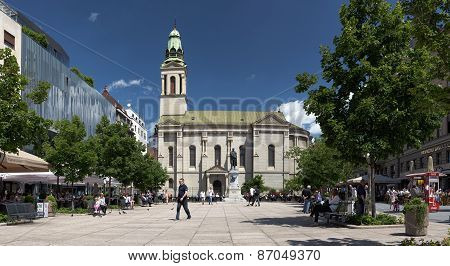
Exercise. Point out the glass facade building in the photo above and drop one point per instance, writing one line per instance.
(69, 94)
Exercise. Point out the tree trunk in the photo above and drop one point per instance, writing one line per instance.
(57, 186)
(372, 189)
(73, 207)
(110, 192)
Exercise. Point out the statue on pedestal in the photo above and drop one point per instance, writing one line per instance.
(233, 159)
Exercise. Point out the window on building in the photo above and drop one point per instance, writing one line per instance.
(392, 171)
(171, 182)
(438, 158)
(421, 162)
(401, 167)
(9, 40)
(438, 133)
(217, 152)
(172, 85)
(66, 82)
(448, 125)
(448, 156)
(171, 156)
(242, 156)
(192, 156)
(271, 155)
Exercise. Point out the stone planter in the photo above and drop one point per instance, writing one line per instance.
(411, 225)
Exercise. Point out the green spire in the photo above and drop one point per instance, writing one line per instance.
(174, 50)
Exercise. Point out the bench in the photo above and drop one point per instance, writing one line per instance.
(339, 216)
(19, 211)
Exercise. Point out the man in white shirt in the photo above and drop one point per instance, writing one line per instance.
(202, 197)
(210, 196)
(251, 198)
(332, 206)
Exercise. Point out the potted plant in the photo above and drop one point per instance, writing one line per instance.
(416, 217)
(52, 205)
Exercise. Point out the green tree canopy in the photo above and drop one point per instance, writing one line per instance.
(256, 182)
(69, 153)
(382, 92)
(320, 166)
(19, 126)
(116, 151)
(149, 174)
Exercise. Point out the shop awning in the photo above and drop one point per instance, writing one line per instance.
(379, 179)
(50, 178)
(21, 162)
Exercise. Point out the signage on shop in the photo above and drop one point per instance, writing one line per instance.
(435, 148)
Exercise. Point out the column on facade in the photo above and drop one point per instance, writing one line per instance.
(285, 150)
(163, 86)
(183, 83)
(179, 154)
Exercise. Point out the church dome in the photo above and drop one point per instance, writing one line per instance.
(174, 49)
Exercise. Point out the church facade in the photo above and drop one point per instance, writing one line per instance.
(196, 145)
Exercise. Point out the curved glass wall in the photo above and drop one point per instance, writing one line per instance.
(69, 94)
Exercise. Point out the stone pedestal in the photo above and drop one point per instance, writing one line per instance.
(234, 191)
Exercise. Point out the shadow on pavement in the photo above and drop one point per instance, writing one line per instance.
(296, 221)
(335, 242)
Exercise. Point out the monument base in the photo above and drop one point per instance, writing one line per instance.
(234, 195)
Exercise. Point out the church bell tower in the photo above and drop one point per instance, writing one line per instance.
(173, 78)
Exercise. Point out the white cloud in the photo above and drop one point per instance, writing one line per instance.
(315, 129)
(295, 113)
(121, 83)
(93, 16)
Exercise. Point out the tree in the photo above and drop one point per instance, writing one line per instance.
(320, 166)
(116, 151)
(70, 154)
(19, 126)
(256, 182)
(381, 94)
(429, 20)
(149, 174)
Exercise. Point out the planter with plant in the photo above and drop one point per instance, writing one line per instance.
(416, 217)
(52, 205)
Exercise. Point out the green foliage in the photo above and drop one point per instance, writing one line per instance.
(19, 126)
(36, 36)
(256, 182)
(149, 174)
(117, 151)
(321, 166)
(380, 219)
(69, 154)
(52, 201)
(39, 94)
(413, 242)
(420, 208)
(382, 95)
(28, 199)
(87, 79)
(4, 218)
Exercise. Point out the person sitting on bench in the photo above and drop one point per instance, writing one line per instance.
(323, 207)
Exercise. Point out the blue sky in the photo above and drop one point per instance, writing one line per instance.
(233, 48)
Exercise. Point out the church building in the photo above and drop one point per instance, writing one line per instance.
(196, 145)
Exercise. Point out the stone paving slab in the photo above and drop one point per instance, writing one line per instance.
(219, 224)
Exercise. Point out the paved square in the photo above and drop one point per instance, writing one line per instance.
(218, 224)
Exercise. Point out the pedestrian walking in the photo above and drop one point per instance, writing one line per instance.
(210, 196)
(182, 199)
(251, 199)
(306, 194)
(256, 196)
(202, 197)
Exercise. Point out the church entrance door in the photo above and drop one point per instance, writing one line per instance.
(217, 187)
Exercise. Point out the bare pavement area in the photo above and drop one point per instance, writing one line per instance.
(219, 224)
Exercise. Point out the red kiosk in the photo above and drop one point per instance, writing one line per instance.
(428, 183)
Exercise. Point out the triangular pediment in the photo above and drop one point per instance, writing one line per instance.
(216, 169)
(271, 119)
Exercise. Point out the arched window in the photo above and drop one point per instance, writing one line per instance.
(217, 154)
(170, 182)
(171, 156)
(242, 156)
(192, 156)
(271, 153)
(172, 85)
